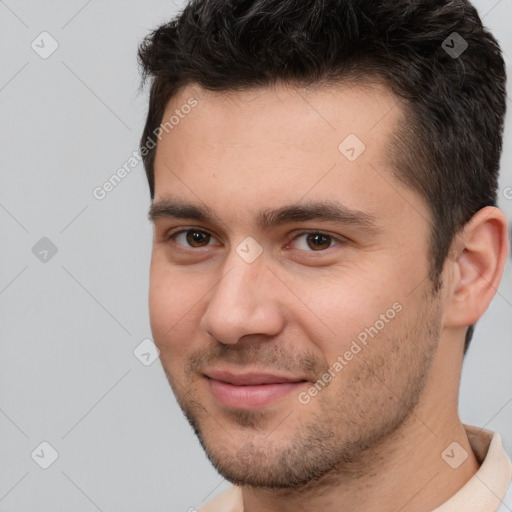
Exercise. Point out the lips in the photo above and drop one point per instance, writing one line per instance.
(251, 389)
(250, 378)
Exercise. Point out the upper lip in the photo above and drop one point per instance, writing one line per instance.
(250, 378)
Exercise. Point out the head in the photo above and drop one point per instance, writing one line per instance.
(332, 161)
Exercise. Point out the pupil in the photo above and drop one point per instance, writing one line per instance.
(318, 241)
(196, 238)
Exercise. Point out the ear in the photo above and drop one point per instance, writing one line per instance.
(479, 255)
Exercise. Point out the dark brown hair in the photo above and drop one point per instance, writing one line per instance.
(434, 54)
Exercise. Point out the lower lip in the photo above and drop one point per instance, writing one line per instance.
(249, 397)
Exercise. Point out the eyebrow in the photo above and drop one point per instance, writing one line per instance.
(268, 218)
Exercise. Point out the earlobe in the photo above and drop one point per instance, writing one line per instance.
(479, 259)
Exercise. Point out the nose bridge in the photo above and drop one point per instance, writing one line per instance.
(241, 302)
(238, 279)
(240, 287)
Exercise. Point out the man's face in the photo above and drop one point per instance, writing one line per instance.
(251, 308)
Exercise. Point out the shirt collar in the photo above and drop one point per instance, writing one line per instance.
(486, 489)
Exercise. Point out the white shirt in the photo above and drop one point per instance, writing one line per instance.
(488, 490)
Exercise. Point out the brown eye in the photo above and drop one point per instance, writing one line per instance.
(315, 241)
(192, 238)
(318, 241)
(197, 238)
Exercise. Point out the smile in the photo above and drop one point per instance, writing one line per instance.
(250, 390)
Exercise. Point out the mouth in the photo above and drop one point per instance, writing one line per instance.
(251, 389)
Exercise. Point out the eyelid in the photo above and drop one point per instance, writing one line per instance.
(176, 231)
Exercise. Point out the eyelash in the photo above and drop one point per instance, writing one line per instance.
(336, 240)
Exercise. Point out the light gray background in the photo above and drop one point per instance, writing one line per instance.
(70, 325)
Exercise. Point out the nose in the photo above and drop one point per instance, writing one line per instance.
(244, 302)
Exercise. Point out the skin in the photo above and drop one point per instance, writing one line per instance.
(372, 438)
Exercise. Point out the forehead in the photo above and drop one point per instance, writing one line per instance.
(368, 108)
(269, 146)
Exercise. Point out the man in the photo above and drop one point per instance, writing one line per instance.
(323, 178)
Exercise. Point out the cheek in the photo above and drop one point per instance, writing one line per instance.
(174, 302)
(339, 309)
